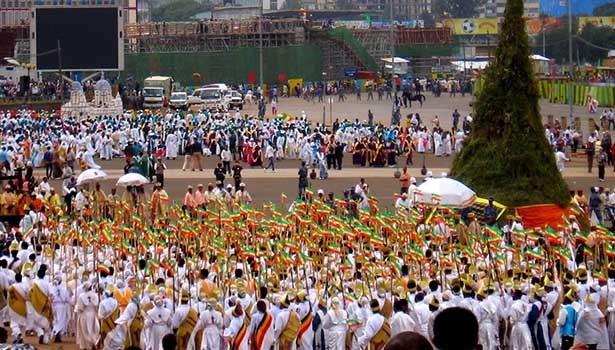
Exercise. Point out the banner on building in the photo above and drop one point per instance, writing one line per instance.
(472, 26)
(481, 26)
(537, 25)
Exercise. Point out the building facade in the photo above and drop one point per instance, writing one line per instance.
(17, 12)
(495, 8)
(14, 12)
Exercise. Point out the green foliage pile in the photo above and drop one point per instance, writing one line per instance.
(507, 154)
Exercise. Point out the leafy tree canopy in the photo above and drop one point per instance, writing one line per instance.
(179, 10)
(507, 155)
(605, 10)
(459, 8)
(556, 41)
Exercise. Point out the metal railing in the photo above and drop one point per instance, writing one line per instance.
(222, 27)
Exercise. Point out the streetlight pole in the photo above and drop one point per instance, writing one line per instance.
(393, 82)
(60, 72)
(260, 46)
(571, 68)
(324, 98)
(463, 47)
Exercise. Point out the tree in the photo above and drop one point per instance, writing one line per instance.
(595, 43)
(605, 10)
(556, 41)
(459, 8)
(507, 154)
(292, 5)
(178, 10)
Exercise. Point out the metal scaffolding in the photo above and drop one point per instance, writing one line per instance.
(211, 35)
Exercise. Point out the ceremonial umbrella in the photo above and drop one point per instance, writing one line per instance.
(91, 175)
(445, 191)
(132, 179)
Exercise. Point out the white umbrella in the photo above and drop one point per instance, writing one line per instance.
(91, 175)
(132, 179)
(445, 191)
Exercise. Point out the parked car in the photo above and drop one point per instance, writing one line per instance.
(179, 100)
(234, 99)
(209, 96)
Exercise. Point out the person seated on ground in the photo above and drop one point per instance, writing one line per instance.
(455, 328)
(408, 341)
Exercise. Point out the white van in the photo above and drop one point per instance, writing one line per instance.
(209, 96)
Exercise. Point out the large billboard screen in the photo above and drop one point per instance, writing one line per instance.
(90, 38)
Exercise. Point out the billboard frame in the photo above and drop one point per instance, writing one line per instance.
(34, 54)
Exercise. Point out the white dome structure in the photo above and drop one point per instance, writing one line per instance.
(104, 104)
(102, 85)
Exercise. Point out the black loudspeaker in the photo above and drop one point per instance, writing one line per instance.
(24, 85)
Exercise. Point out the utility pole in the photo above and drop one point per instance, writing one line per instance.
(59, 49)
(393, 82)
(570, 85)
(260, 46)
(463, 47)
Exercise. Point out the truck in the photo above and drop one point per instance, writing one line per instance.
(157, 91)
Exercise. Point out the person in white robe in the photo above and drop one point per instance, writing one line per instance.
(459, 137)
(363, 313)
(116, 339)
(107, 306)
(291, 145)
(232, 332)
(401, 320)
(18, 318)
(88, 327)
(520, 336)
(560, 160)
(373, 325)
(157, 324)
(591, 326)
(211, 322)
(488, 321)
(257, 322)
(37, 155)
(172, 146)
(39, 323)
(447, 144)
(336, 324)
(422, 141)
(61, 298)
(437, 139)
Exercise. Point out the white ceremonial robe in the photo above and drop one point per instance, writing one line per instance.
(172, 146)
(336, 326)
(520, 336)
(116, 339)
(402, 322)
(61, 305)
(157, 325)
(88, 327)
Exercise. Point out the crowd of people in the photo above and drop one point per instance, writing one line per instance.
(33, 140)
(334, 273)
(134, 270)
(48, 89)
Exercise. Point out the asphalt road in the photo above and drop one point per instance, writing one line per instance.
(267, 186)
